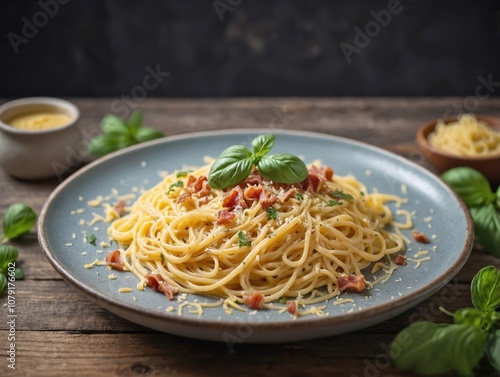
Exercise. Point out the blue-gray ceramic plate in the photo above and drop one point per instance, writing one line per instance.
(437, 212)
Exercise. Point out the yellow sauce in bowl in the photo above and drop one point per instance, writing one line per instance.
(39, 121)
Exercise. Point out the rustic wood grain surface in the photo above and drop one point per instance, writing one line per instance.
(59, 332)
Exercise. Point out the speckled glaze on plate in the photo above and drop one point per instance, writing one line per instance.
(439, 213)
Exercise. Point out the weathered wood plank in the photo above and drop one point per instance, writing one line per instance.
(63, 354)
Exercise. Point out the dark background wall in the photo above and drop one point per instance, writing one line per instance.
(248, 48)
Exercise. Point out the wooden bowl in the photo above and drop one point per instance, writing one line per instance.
(489, 166)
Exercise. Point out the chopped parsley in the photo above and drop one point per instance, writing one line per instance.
(332, 203)
(272, 214)
(162, 257)
(283, 300)
(243, 239)
(182, 174)
(91, 239)
(299, 196)
(362, 193)
(338, 195)
(174, 185)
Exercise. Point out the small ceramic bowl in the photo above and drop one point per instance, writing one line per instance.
(38, 154)
(489, 166)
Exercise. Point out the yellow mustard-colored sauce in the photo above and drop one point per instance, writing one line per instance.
(39, 121)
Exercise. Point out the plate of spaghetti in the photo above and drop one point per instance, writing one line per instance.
(209, 236)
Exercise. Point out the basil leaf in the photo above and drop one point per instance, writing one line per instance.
(8, 254)
(19, 274)
(429, 348)
(498, 198)
(102, 145)
(493, 350)
(485, 289)
(3, 283)
(112, 125)
(135, 122)
(487, 227)
(18, 219)
(232, 166)
(473, 317)
(146, 134)
(262, 144)
(470, 185)
(283, 168)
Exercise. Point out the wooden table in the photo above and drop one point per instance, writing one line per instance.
(59, 332)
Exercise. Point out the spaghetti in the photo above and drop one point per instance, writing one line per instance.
(466, 137)
(258, 241)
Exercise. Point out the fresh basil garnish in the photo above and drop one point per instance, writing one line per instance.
(118, 134)
(8, 254)
(493, 350)
(236, 162)
(470, 185)
(430, 348)
(483, 204)
(487, 227)
(18, 219)
(485, 289)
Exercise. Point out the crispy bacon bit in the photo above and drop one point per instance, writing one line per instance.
(113, 260)
(258, 192)
(203, 200)
(419, 236)
(120, 207)
(254, 300)
(286, 195)
(292, 307)
(355, 283)
(198, 186)
(184, 197)
(316, 178)
(225, 217)
(328, 173)
(234, 199)
(253, 192)
(157, 283)
(254, 179)
(266, 200)
(400, 260)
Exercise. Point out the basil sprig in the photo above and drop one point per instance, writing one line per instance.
(118, 134)
(430, 348)
(18, 219)
(236, 162)
(483, 204)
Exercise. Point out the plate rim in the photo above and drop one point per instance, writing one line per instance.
(171, 319)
